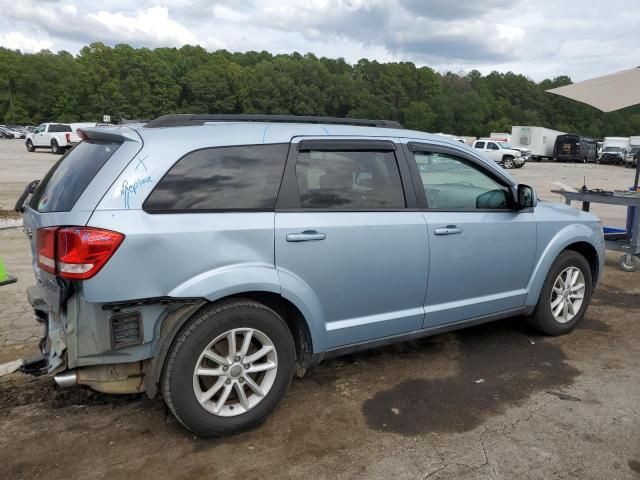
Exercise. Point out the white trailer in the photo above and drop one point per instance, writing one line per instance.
(539, 140)
(501, 136)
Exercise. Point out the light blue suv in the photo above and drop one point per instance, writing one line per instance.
(211, 257)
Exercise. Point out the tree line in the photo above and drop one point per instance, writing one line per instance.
(140, 83)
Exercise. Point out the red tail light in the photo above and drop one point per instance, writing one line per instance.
(68, 135)
(46, 248)
(80, 252)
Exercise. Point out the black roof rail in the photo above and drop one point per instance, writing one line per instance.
(187, 119)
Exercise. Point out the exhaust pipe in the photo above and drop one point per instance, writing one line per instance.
(66, 379)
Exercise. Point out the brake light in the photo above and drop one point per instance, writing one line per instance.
(45, 246)
(76, 252)
(68, 135)
(83, 251)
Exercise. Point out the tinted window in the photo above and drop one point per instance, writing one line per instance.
(478, 145)
(450, 183)
(349, 180)
(57, 128)
(492, 146)
(68, 178)
(227, 178)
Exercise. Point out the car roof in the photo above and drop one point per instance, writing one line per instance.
(237, 133)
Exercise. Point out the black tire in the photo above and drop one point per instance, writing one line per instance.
(55, 148)
(30, 147)
(207, 324)
(542, 318)
(508, 162)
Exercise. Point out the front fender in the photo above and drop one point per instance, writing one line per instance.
(568, 235)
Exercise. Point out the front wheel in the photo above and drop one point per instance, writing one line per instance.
(565, 295)
(30, 147)
(508, 162)
(228, 368)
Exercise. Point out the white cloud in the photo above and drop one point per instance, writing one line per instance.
(18, 41)
(152, 25)
(541, 39)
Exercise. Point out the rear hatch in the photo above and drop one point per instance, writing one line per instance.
(69, 193)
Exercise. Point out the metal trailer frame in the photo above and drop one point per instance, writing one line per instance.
(630, 245)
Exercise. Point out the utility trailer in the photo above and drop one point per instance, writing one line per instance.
(539, 140)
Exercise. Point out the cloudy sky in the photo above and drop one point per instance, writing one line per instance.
(540, 38)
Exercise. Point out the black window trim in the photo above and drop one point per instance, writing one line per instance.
(412, 147)
(213, 210)
(289, 195)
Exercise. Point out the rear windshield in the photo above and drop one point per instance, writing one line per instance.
(68, 178)
(57, 128)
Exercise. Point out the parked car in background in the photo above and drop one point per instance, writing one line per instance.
(17, 128)
(59, 137)
(614, 150)
(213, 263)
(500, 152)
(631, 158)
(6, 132)
(574, 148)
(539, 140)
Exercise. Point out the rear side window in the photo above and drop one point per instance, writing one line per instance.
(57, 128)
(359, 180)
(69, 177)
(243, 177)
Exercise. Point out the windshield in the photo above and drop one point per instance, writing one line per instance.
(613, 149)
(635, 150)
(504, 144)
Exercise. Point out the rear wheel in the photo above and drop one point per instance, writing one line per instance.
(229, 368)
(565, 295)
(30, 147)
(55, 148)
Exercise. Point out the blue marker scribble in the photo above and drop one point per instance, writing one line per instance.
(131, 189)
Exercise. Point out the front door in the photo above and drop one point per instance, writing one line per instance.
(481, 248)
(345, 240)
(492, 150)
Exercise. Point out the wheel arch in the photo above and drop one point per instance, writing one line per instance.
(173, 323)
(576, 237)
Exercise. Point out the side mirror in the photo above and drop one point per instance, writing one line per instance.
(527, 197)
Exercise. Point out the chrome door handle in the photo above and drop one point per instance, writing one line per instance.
(306, 236)
(448, 230)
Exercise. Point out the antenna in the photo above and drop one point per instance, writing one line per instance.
(114, 107)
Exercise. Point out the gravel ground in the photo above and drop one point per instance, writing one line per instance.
(495, 401)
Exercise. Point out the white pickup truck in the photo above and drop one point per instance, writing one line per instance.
(59, 137)
(500, 152)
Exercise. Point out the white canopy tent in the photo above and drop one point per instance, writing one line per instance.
(607, 93)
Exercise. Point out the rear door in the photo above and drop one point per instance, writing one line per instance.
(349, 239)
(481, 248)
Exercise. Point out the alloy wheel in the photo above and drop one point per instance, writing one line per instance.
(235, 372)
(567, 294)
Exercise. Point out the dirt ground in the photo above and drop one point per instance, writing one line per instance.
(495, 401)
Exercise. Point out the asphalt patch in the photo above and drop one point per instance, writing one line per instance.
(614, 297)
(500, 365)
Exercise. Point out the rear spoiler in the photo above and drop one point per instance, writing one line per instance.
(113, 134)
